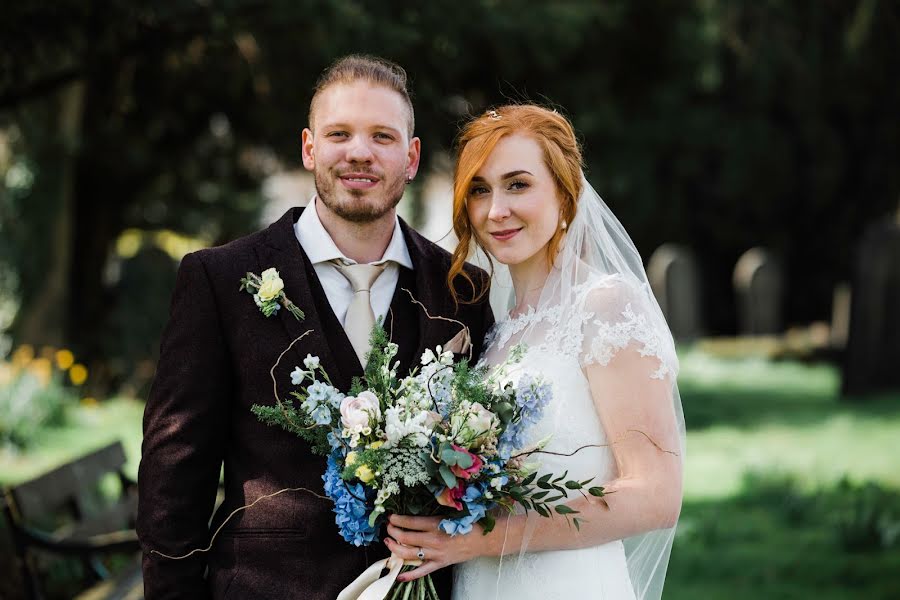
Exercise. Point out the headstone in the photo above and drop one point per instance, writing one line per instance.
(840, 316)
(675, 281)
(872, 360)
(759, 291)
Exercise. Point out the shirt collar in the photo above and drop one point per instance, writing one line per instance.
(320, 248)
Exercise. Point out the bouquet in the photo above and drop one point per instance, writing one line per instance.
(447, 441)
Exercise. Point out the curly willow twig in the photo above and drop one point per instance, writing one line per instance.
(228, 518)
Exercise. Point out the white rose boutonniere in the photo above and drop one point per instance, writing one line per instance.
(268, 293)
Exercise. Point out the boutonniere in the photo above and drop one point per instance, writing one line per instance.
(268, 293)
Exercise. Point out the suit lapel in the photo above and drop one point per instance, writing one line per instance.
(282, 251)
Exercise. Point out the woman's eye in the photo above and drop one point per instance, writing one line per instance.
(478, 190)
(518, 185)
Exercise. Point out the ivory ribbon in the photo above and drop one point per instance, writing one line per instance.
(370, 585)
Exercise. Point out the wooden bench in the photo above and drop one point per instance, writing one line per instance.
(68, 512)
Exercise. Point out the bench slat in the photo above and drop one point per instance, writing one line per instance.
(49, 492)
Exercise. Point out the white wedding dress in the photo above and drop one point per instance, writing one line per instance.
(603, 320)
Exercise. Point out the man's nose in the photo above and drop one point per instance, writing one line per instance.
(358, 150)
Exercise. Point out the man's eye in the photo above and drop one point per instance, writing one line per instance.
(384, 136)
(336, 134)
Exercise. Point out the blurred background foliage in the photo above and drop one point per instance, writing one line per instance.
(716, 124)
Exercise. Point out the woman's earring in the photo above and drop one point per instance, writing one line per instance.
(563, 225)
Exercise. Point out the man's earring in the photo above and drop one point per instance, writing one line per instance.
(408, 180)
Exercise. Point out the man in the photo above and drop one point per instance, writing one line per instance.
(218, 348)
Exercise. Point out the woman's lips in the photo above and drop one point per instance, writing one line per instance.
(358, 181)
(506, 234)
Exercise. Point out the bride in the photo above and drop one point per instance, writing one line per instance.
(585, 313)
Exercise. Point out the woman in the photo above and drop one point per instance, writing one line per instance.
(585, 312)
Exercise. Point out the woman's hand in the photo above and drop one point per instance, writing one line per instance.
(409, 535)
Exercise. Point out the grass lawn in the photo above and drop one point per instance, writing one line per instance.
(765, 514)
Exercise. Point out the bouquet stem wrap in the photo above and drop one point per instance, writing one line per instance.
(370, 585)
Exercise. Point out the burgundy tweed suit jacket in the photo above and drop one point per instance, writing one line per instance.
(216, 353)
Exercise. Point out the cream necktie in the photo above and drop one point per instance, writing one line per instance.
(360, 317)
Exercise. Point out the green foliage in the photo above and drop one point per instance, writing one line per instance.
(295, 421)
(28, 405)
(867, 516)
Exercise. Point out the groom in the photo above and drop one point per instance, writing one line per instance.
(345, 260)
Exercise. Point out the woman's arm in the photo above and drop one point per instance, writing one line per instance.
(637, 414)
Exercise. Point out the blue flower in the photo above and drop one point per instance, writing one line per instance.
(318, 391)
(333, 440)
(321, 415)
(475, 508)
(531, 398)
(351, 512)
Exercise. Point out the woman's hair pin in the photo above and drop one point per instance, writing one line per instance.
(494, 115)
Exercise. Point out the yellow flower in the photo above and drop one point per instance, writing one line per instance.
(22, 356)
(89, 402)
(78, 374)
(64, 359)
(364, 473)
(269, 289)
(351, 459)
(375, 445)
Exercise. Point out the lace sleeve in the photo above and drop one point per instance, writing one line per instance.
(617, 315)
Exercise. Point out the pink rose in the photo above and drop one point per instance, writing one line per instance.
(450, 497)
(477, 463)
(356, 412)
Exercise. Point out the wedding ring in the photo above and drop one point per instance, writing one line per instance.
(421, 554)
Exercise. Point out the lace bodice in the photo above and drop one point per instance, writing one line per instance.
(609, 315)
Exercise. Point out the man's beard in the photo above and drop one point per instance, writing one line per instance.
(358, 206)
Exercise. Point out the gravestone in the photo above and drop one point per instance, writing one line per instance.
(872, 360)
(759, 291)
(675, 281)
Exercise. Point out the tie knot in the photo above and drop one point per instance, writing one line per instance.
(360, 276)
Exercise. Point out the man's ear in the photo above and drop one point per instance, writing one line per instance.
(306, 149)
(413, 156)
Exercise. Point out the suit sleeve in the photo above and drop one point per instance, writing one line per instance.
(185, 428)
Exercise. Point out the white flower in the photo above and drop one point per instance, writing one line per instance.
(480, 420)
(399, 426)
(428, 356)
(311, 362)
(356, 412)
(297, 376)
(270, 274)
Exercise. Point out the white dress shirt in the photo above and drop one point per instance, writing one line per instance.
(321, 250)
